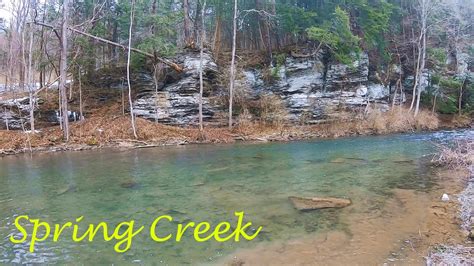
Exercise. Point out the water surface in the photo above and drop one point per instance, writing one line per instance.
(205, 183)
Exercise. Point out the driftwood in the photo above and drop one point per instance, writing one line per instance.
(4, 152)
(165, 61)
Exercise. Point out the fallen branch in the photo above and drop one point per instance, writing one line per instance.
(298, 55)
(165, 61)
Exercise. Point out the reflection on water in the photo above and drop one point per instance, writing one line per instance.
(204, 183)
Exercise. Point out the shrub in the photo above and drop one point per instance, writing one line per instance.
(400, 120)
(272, 110)
(461, 154)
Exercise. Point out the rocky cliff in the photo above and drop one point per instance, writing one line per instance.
(309, 87)
(316, 89)
(177, 101)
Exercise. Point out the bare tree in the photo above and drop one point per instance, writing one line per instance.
(31, 84)
(156, 69)
(132, 115)
(81, 112)
(63, 71)
(421, 69)
(201, 82)
(427, 10)
(232, 64)
(188, 38)
(460, 96)
(29, 67)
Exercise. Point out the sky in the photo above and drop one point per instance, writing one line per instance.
(6, 8)
(5, 12)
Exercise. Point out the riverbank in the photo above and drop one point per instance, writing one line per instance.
(410, 229)
(460, 156)
(112, 131)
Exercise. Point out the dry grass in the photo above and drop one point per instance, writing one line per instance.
(107, 127)
(460, 155)
(376, 122)
(272, 110)
(400, 120)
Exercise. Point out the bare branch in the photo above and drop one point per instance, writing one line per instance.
(165, 61)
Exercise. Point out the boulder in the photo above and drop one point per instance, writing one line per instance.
(308, 204)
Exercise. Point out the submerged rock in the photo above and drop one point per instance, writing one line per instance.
(338, 160)
(129, 184)
(308, 204)
(69, 188)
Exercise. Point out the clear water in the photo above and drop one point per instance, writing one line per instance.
(203, 183)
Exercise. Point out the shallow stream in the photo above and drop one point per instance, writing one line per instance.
(205, 183)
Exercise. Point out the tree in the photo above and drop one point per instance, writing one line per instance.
(188, 37)
(424, 12)
(63, 71)
(232, 64)
(337, 37)
(201, 82)
(132, 115)
(31, 85)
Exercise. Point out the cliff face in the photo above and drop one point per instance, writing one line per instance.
(316, 89)
(177, 102)
(308, 87)
(14, 113)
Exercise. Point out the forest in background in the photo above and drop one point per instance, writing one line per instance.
(45, 41)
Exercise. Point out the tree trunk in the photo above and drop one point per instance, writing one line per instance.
(201, 82)
(31, 84)
(216, 46)
(132, 115)
(197, 21)
(434, 103)
(63, 71)
(422, 68)
(417, 73)
(460, 98)
(232, 65)
(81, 112)
(188, 39)
(157, 74)
(21, 84)
(397, 85)
(275, 29)
(6, 120)
(42, 47)
(264, 30)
